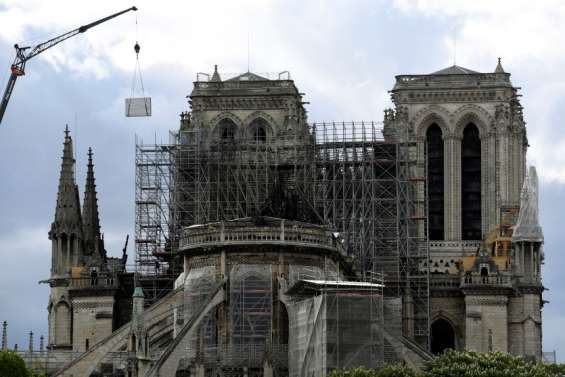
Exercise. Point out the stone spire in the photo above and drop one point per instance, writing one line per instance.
(93, 242)
(4, 336)
(528, 227)
(41, 344)
(30, 346)
(67, 213)
(499, 68)
(216, 76)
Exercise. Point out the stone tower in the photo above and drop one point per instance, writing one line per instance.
(254, 122)
(469, 136)
(66, 237)
(82, 287)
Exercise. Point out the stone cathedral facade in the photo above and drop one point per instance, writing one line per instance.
(249, 285)
(485, 241)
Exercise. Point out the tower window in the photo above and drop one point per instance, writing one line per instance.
(471, 183)
(259, 130)
(227, 130)
(435, 182)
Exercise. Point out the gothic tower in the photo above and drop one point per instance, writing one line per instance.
(468, 135)
(82, 300)
(250, 121)
(66, 237)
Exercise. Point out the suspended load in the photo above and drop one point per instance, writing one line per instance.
(140, 105)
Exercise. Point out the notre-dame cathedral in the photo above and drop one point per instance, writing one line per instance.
(293, 249)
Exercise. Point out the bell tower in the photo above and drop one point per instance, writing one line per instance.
(467, 130)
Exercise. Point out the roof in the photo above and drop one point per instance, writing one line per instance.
(138, 292)
(455, 70)
(248, 76)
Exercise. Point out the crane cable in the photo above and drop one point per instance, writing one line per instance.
(137, 70)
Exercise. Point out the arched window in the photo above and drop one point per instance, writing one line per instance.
(443, 336)
(435, 182)
(471, 184)
(259, 130)
(62, 324)
(227, 129)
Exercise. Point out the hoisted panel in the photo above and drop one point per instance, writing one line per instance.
(138, 107)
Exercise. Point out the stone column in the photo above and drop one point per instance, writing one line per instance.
(503, 171)
(452, 187)
(60, 252)
(489, 186)
(486, 210)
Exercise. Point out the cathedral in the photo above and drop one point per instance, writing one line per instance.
(285, 248)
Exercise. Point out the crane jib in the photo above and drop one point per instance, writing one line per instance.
(21, 58)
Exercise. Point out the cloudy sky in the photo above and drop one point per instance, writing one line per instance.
(343, 54)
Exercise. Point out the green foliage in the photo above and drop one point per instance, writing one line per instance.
(492, 364)
(464, 364)
(387, 370)
(12, 365)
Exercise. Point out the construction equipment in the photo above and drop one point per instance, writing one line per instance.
(23, 55)
(140, 105)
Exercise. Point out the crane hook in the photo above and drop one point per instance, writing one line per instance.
(136, 48)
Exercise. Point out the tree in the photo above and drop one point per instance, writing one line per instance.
(12, 365)
(464, 364)
(387, 370)
(491, 364)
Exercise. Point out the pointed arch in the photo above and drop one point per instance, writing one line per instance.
(472, 114)
(435, 170)
(430, 115)
(226, 130)
(261, 114)
(471, 158)
(442, 335)
(62, 323)
(222, 118)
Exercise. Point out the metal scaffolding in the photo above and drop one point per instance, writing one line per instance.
(343, 175)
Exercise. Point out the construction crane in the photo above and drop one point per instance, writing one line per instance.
(23, 55)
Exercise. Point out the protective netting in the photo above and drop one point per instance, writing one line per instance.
(333, 331)
(528, 227)
(198, 286)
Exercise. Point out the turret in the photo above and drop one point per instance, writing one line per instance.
(138, 343)
(528, 235)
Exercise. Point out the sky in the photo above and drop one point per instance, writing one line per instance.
(343, 54)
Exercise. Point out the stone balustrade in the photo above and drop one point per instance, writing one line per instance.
(228, 233)
(108, 281)
(466, 247)
(500, 280)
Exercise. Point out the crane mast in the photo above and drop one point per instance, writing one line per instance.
(23, 54)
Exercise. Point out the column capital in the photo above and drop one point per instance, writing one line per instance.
(453, 137)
